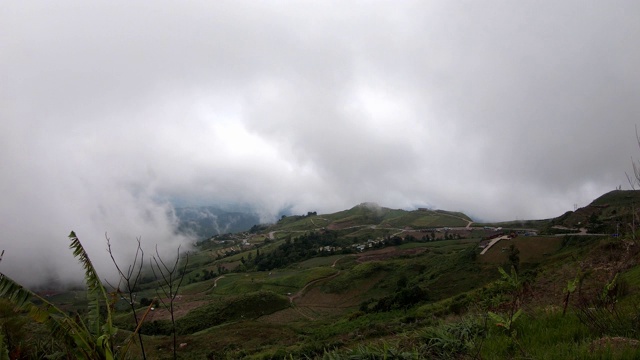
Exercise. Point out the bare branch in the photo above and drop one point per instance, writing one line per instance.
(133, 271)
(172, 278)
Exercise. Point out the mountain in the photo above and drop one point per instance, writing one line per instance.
(375, 217)
(610, 213)
(372, 282)
(207, 221)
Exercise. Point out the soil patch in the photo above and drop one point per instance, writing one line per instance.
(387, 253)
(615, 344)
(180, 308)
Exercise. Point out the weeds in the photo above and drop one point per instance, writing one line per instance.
(454, 340)
(514, 287)
(602, 315)
(372, 352)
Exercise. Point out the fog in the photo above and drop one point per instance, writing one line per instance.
(113, 113)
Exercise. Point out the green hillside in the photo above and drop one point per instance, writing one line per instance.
(372, 283)
(370, 214)
(605, 214)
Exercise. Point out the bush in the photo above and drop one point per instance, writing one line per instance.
(248, 306)
(454, 340)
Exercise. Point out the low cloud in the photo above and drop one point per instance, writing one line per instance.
(112, 113)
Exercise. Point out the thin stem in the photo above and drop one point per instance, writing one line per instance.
(129, 285)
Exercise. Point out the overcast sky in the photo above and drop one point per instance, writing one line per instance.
(112, 112)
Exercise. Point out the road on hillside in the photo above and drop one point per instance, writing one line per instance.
(215, 281)
(299, 293)
(493, 242)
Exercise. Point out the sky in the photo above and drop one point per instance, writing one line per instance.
(112, 113)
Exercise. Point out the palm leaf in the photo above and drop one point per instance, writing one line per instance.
(59, 324)
(96, 293)
(4, 351)
(93, 342)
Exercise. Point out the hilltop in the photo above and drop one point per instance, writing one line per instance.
(605, 214)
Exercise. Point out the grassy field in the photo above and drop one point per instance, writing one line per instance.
(532, 249)
(321, 261)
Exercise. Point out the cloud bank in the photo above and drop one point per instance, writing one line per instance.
(113, 112)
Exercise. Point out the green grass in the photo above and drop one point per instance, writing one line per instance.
(302, 224)
(197, 287)
(618, 198)
(298, 279)
(425, 219)
(454, 214)
(356, 275)
(280, 282)
(251, 305)
(320, 261)
(365, 233)
(550, 336)
(394, 213)
(632, 276)
(532, 249)
(413, 245)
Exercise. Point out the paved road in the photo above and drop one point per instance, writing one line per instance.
(493, 242)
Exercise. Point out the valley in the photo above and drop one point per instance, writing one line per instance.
(372, 282)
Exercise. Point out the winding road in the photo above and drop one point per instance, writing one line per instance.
(493, 242)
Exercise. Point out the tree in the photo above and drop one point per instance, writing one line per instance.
(130, 281)
(12, 331)
(171, 280)
(402, 282)
(514, 257)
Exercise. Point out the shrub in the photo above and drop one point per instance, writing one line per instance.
(453, 340)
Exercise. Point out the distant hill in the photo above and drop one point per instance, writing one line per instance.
(376, 217)
(610, 213)
(207, 221)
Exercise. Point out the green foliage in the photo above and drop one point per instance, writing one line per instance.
(402, 299)
(299, 249)
(514, 286)
(572, 286)
(511, 280)
(453, 340)
(371, 352)
(93, 340)
(603, 315)
(96, 294)
(356, 275)
(12, 328)
(157, 327)
(514, 257)
(505, 321)
(246, 306)
(4, 350)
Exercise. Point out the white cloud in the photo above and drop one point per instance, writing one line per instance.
(496, 109)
